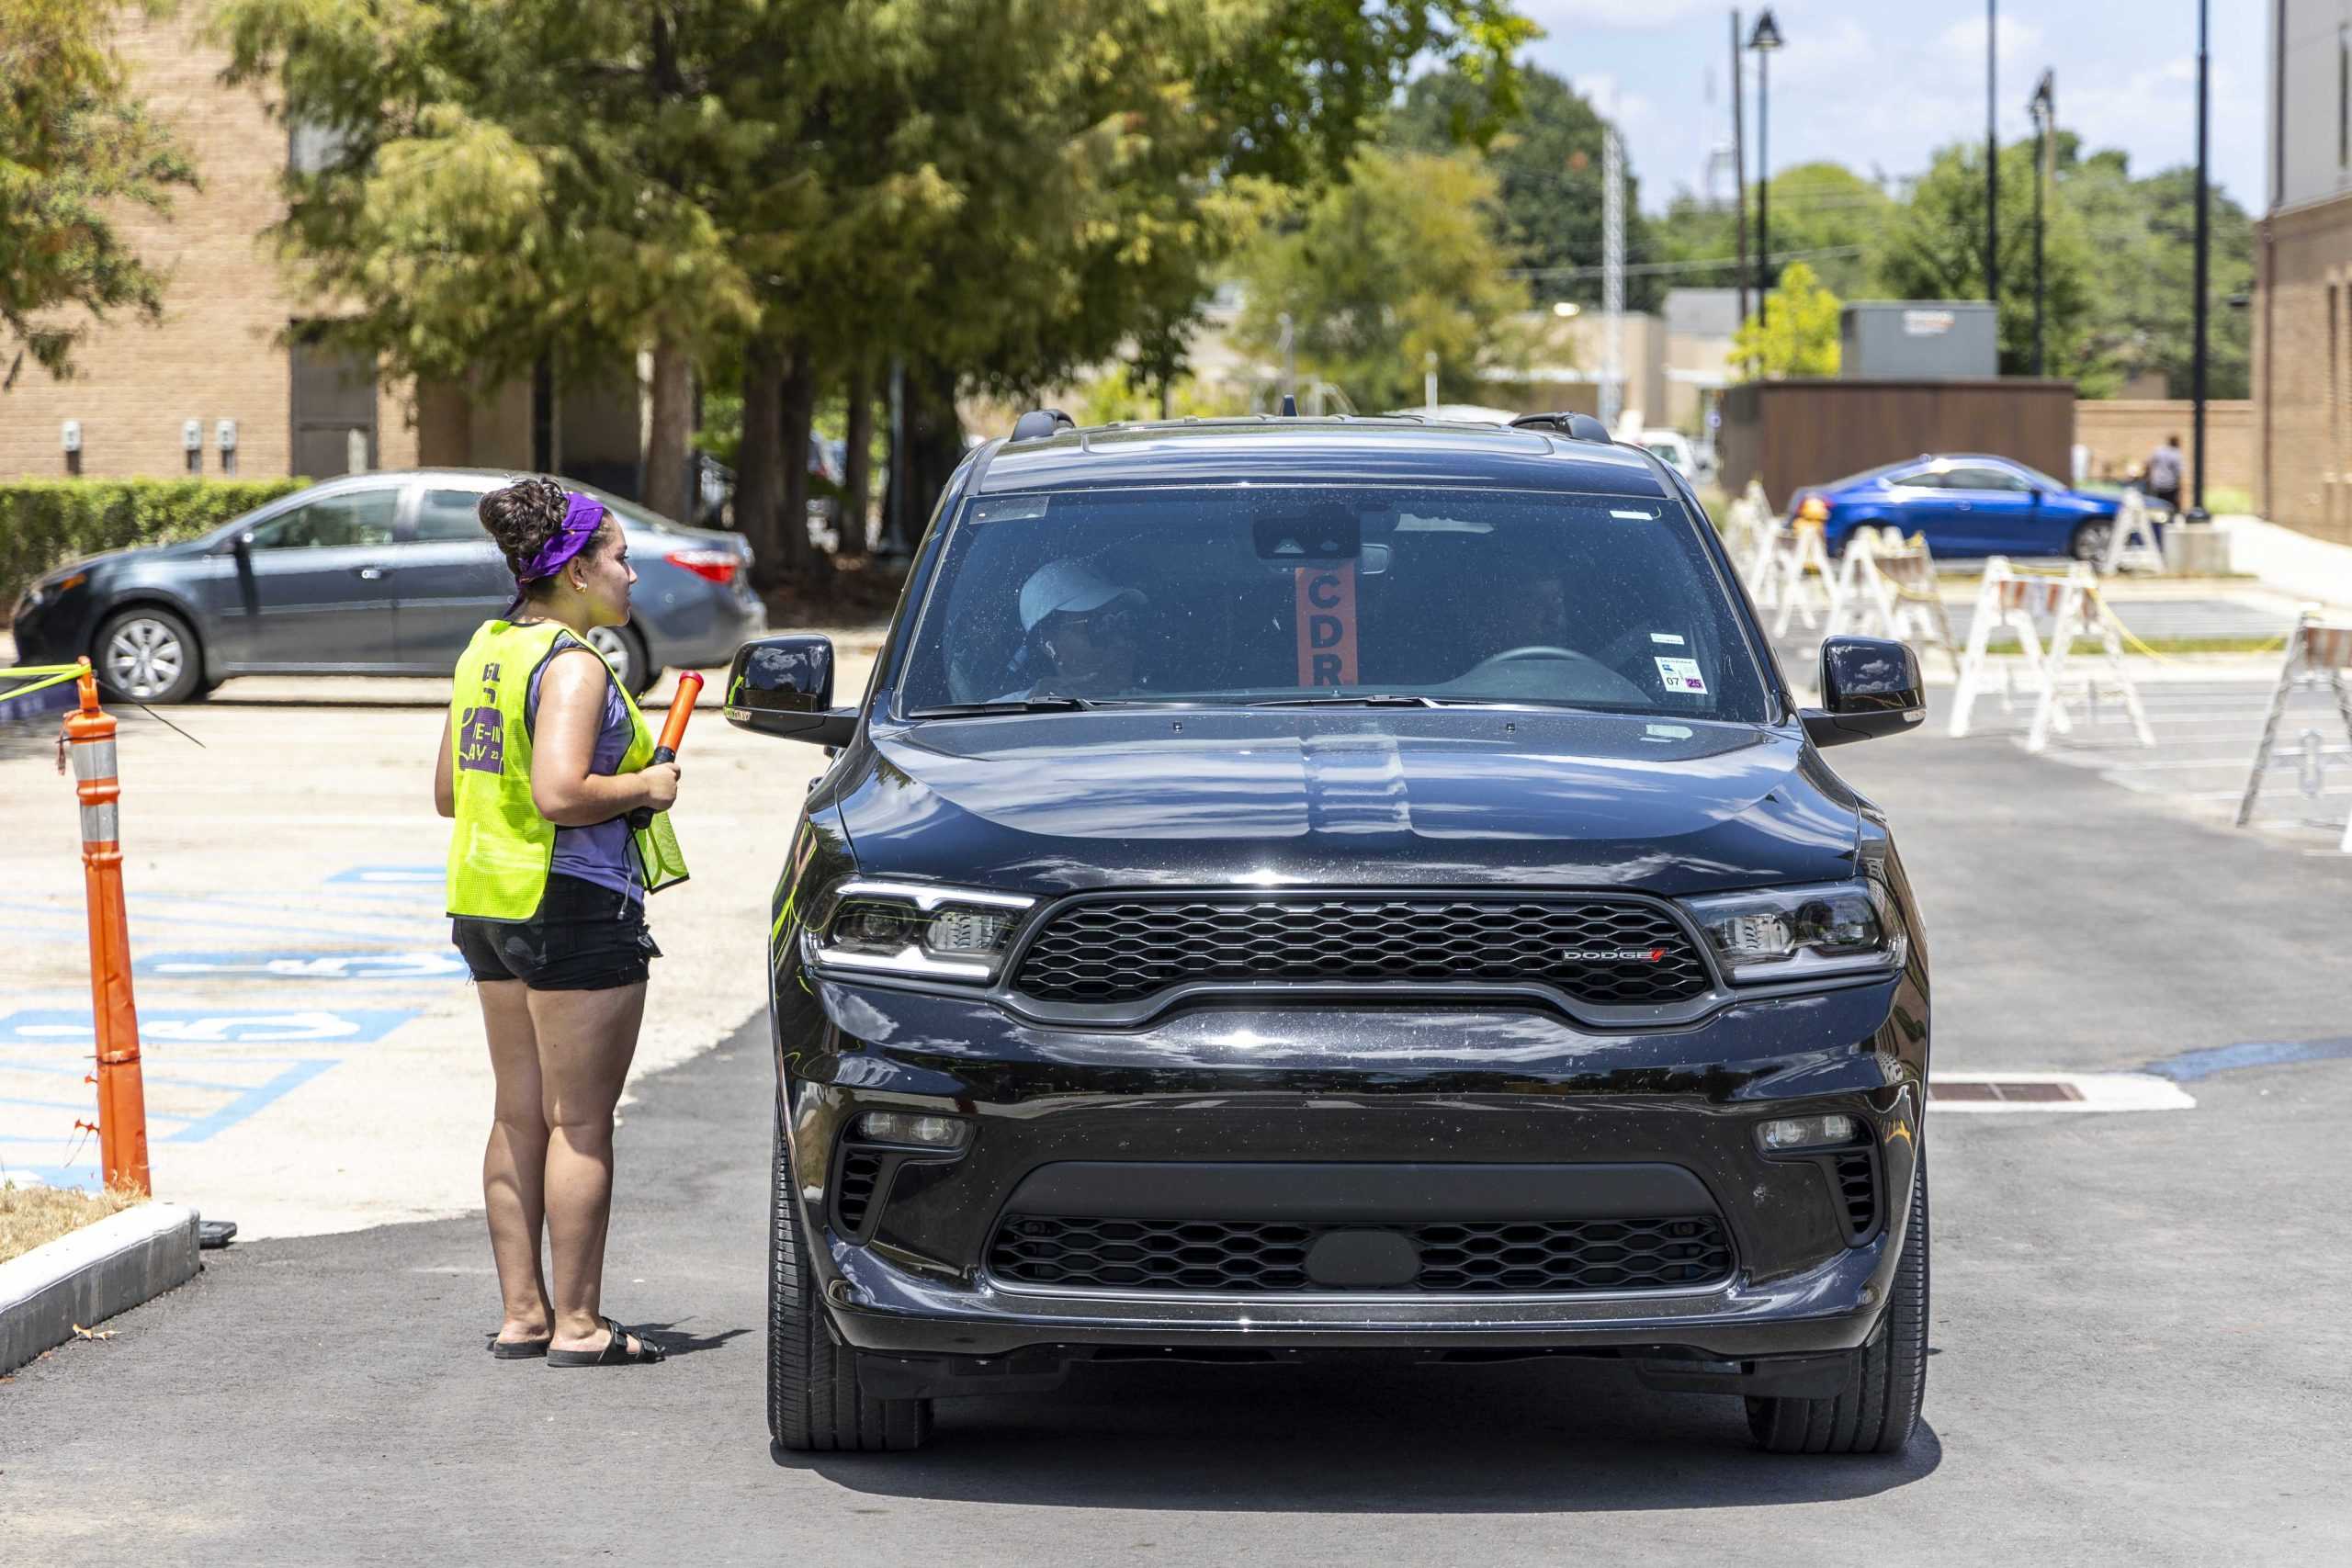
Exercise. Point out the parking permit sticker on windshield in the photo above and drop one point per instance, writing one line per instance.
(1666, 638)
(1680, 675)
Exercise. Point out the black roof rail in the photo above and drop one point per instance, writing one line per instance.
(1575, 426)
(1037, 424)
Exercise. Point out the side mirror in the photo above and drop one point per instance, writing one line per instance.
(784, 686)
(1869, 687)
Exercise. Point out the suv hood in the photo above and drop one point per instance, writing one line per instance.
(1053, 803)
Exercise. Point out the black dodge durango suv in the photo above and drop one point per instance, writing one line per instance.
(1306, 886)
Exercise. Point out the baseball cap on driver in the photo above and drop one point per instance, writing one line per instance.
(1070, 588)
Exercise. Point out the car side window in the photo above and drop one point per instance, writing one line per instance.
(1983, 479)
(351, 517)
(1919, 479)
(447, 516)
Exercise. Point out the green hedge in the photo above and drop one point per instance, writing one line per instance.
(46, 523)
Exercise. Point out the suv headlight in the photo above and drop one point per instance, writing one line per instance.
(915, 929)
(1791, 934)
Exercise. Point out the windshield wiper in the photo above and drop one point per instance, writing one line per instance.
(1011, 704)
(1336, 700)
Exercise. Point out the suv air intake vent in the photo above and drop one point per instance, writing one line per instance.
(861, 1170)
(1605, 951)
(1468, 1258)
(1855, 1174)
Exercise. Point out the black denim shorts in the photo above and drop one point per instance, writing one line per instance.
(585, 938)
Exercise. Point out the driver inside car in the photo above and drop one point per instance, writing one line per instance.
(1083, 632)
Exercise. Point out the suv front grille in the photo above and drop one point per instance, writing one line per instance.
(1462, 1257)
(1598, 950)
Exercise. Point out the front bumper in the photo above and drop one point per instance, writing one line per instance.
(1377, 1086)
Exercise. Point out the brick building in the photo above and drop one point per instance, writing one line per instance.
(2302, 326)
(219, 358)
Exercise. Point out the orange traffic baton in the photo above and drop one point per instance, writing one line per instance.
(123, 1098)
(673, 733)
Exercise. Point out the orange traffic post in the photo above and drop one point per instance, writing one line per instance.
(122, 1098)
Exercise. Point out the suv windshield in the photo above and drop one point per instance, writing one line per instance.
(1333, 594)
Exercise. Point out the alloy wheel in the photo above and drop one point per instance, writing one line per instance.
(144, 657)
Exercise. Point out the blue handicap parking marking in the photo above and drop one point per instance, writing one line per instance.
(210, 1026)
(374, 967)
(389, 876)
(184, 1108)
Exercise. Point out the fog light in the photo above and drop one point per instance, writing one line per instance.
(905, 1127)
(1805, 1133)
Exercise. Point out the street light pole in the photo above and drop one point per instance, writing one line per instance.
(1739, 164)
(2204, 243)
(1992, 169)
(2043, 105)
(1764, 40)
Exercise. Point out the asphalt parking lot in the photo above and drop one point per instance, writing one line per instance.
(2136, 1314)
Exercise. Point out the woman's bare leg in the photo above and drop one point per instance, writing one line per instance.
(513, 1165)
(586, 1039)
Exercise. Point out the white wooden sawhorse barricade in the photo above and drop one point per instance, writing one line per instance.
(2050, 615)
(2317, 654)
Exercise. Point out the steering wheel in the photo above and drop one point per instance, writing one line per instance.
(1533, 650)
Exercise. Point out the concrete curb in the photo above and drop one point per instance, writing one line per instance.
(91, 1274)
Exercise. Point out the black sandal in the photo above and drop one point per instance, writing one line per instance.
(518, 1350)
(616, 1352)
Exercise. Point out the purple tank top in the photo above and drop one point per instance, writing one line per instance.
(601, 853)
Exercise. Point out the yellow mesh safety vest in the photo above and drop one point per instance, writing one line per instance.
(501, 845)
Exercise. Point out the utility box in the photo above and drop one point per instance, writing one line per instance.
(1918, 340)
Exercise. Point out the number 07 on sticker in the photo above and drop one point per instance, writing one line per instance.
(1680, 675)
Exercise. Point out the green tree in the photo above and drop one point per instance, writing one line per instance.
(75, 147)
(1934, 250)
(2142, 237)
(1795, 334)
(1547, 162)
(1402, 260)
(795, 192)
(1819, 207)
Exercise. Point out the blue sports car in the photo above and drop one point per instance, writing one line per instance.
(1968, 504)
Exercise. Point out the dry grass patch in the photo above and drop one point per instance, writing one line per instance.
(31, 1215)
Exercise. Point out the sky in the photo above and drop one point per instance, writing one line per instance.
(1880, 84)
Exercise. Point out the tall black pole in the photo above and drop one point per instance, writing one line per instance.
(1739, 165)
(2204, 239)
(1763, 173)
(1992, 169)
(2040, 140)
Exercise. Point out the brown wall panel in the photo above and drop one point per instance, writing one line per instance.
(1790, 434)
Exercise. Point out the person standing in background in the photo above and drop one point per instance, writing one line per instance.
(2163, 484)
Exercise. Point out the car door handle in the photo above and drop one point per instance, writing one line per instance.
(1961, 505)
(370, 573)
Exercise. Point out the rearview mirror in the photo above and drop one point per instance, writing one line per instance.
(1870, 686)
(784, 686)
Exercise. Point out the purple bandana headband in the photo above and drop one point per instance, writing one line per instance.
(582, 513)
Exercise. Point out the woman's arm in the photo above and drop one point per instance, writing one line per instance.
(445, 786)
(563, 742)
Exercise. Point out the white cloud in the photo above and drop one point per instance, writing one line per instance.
(1965, 41)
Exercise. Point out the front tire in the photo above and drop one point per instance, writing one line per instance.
(814, 1403)
(1880, 1407)
(2089, 542)
(149, 655)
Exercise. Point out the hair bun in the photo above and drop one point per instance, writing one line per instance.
(521, 518)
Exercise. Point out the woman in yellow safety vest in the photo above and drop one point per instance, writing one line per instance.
(544, 761)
